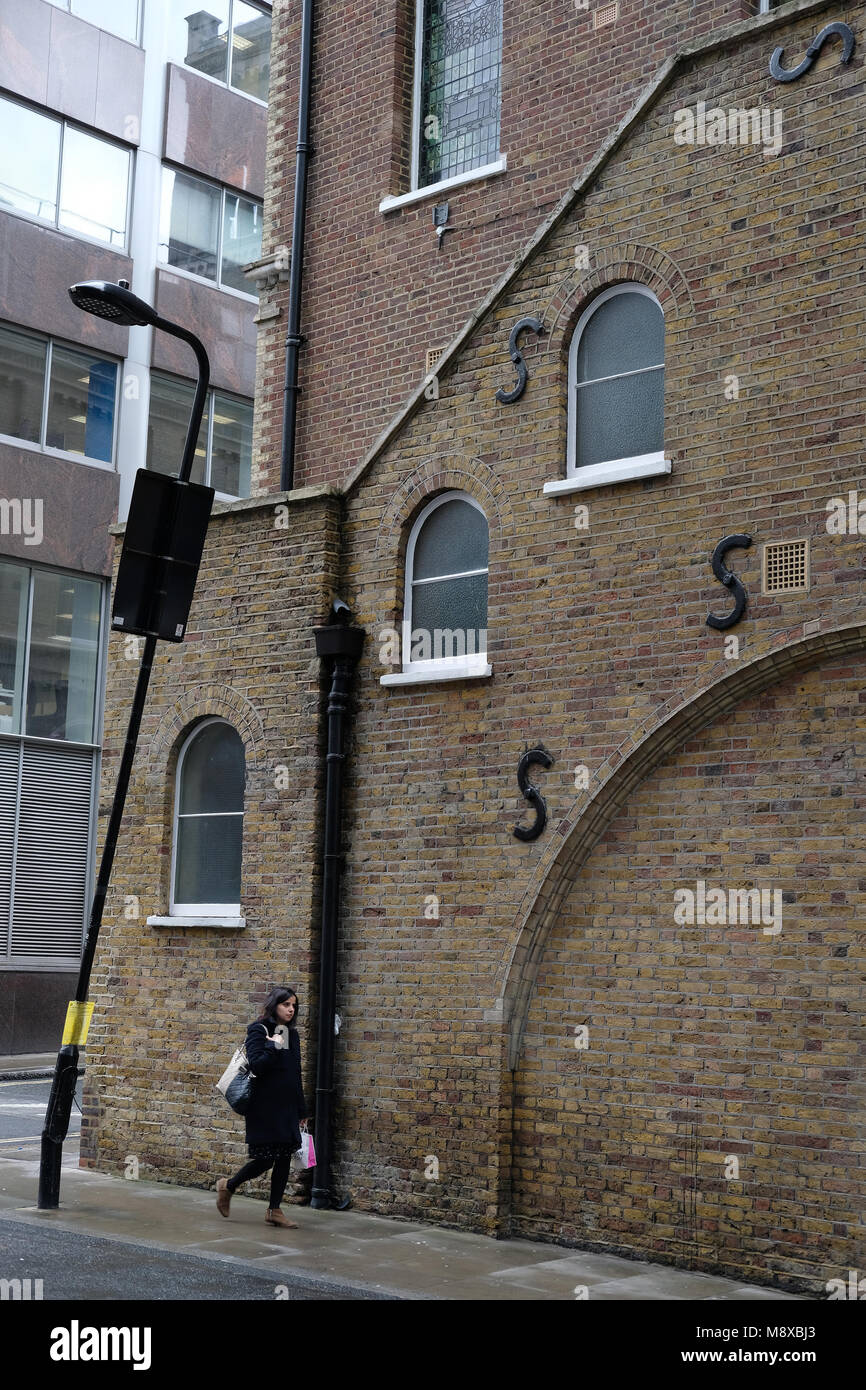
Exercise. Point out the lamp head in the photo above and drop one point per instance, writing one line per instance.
(114, 302)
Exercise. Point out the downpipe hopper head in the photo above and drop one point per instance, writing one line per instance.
(338, 639)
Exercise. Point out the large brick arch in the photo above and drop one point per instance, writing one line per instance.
(690, 1086)
(572, 842)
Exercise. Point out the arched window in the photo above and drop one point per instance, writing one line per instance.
(445, 611)
(616, 389)
(208, 822)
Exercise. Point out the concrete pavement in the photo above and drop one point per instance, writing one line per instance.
(387, 1257)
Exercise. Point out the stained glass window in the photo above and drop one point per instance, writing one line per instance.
(461, 62)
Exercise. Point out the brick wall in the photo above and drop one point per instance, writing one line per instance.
(377, 293)
(171, 1003)
(707, 1043)
(597, 639)
(467, 956)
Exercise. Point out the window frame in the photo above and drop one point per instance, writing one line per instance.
(251, 296)
(110, 465)
(212, 392)
(415, 189)
(607, 470)
(34, 964)
(18, 690)
(99, 676)
(417, 84)
(185, 910)
(449, 667)
(225, 83)
(64, 123)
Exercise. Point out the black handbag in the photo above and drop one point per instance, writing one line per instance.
(239, 1092)
(236, 1082)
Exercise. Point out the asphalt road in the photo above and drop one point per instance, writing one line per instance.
(74, 1266)
(22, 1115)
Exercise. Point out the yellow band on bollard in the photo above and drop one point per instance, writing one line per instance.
(77, 1023)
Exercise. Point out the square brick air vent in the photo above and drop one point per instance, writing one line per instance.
(433, 355)
(785, 567)
(606, 14)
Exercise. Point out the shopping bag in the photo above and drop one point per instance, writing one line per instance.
(307, 1151)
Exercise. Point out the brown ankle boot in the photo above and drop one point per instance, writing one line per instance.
(224, 1197)
(274, 1217)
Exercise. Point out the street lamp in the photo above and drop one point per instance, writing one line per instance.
(165, 534)
(119, 305)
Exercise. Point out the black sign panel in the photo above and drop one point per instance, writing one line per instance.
(162, 550)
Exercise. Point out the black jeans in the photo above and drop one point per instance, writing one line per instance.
(256, 1166)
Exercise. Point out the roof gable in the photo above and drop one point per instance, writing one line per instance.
(752, 29)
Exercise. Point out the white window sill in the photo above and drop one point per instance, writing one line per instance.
(472, 668)
(227, 923)
(433, 190)
(600, 474)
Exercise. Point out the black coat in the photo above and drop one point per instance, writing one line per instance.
(278, 1096)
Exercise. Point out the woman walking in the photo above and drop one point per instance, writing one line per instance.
(278, 1110)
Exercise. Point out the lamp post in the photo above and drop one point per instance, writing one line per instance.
(116, 303)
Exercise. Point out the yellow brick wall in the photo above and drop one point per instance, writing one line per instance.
(600, 650)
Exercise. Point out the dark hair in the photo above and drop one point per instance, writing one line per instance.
(279, 995)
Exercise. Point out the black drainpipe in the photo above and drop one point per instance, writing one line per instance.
(293, 331)
(342, 644)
